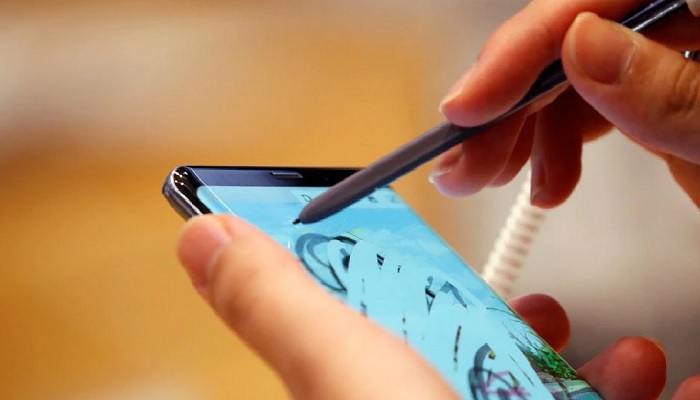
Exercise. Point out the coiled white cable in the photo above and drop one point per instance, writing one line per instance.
(512, 247)
(505, 262)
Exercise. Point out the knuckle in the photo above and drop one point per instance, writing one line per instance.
(550, 40)
(684, 93)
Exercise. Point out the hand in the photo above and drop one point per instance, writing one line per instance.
(643, 86)
(325, 350)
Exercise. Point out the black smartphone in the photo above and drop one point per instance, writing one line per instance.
(383, 260)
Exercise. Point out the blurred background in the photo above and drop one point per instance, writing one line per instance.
(100, 100)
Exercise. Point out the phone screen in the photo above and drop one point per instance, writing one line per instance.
(380, 258)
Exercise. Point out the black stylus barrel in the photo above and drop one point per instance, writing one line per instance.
(384, 171)
(445, 136)
(415, 153)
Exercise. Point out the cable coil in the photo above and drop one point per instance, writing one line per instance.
(505, 262)
(512, 247)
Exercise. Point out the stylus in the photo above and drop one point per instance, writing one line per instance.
(446, 135)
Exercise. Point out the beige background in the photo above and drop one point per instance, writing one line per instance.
(99, 101)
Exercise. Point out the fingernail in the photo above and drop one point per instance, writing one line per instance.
(456, 89)
(538, 182)
(600, 49)
(446, 165)
(201, 241)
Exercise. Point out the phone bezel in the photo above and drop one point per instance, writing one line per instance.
(180, 187)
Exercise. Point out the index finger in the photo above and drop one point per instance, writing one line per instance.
(516, 54)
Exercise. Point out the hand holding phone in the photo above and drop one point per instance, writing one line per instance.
(324, 349)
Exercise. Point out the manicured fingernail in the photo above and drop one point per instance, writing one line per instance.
(538, 183)
(600, 49)
(446, 165)
(456, 89)
(201, 241)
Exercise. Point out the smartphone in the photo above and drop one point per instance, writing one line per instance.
(383, 260)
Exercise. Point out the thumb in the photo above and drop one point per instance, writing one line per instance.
(321, 348)
(650, 92)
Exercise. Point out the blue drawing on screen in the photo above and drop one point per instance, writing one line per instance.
(390, 266)
(456, 331)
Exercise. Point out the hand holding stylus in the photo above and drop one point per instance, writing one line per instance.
(323, 349)
(643, 86)
(519, 73)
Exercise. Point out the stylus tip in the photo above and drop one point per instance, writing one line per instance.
(296, 221)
